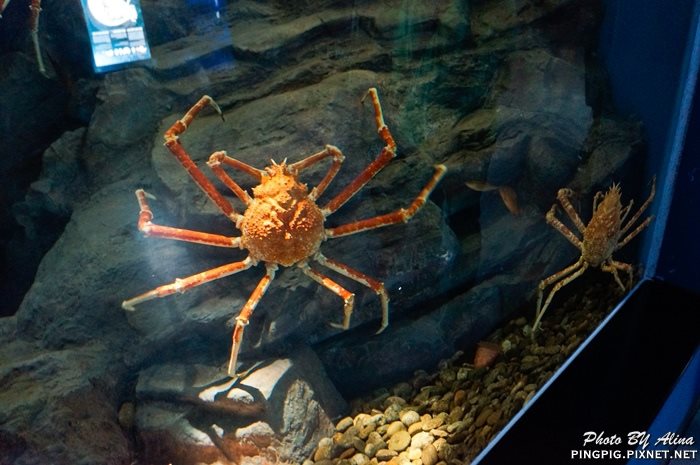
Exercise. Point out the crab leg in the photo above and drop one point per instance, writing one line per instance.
(376, 286)
(347, 296)
(149, 229)
(401, 215)
(383, 159)
(35, 8)
(559, 226)
(184, 284)
(243, 317)
(172, 142)
(636, 216)
(612, 266)
(3, 5)
(222, 158)
(636, 231)
(580, 264)
(563, 197)
(329, 151)
(214, 163)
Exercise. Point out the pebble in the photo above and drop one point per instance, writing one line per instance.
(394, 428)
(365, 431)
(460, 397)
(494, 417)
(432, 423)
(324, 449)
(391, 400)
(422, 439)
(447, 376)
(447, 417)
(413, 454)
(399, 441)
(455, 415)
(456, 427)
(464, 373)
(392, 413)
(348, 437)
(344, 424)
(429, 455)
(414, 428)
(361, 420)
(409, 417)
(359, 459)
(347, 453)
(402, 390)
(384, 455)
(481, 419)
(421, 378)
(373, 444)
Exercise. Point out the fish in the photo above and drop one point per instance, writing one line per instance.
(507, 193)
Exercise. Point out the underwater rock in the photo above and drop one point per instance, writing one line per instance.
(32, 115)
(92, 257)
(46, 208)
(60, 184)
(285, 404)
(59, 407)
(167, 20)
(525, 127)
(611, 145)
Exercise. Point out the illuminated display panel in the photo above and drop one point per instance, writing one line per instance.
(116, 31)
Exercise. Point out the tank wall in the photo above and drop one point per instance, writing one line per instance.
(647, 51)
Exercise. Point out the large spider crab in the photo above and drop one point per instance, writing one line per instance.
(600, 238)
(282, 223)
(35, 11)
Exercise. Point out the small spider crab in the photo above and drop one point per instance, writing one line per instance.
(282, 223)
(601, 237)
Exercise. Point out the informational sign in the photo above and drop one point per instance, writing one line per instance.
(116, 32)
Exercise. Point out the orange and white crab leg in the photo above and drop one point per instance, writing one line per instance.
(383, 159)
(563, 197)
(376, 286)
(146, 226)
(214, 163)
(172, 142)
(636, 231)
(35, 8)
(577, 269)
(401, 215)
(559, 226)
(185, 284)
(612, 266)
(382, 129)
(347, 296)
(222, 158)
(243, 317)
(636, 216)
(329, 151)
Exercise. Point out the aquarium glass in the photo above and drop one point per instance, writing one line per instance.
(316, 231)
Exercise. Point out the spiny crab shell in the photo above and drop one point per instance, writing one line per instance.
(281, 224)
(601, 236)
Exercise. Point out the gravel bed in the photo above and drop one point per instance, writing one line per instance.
(447, 417)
